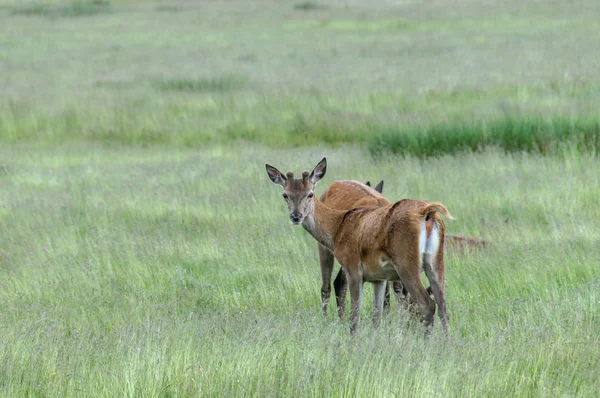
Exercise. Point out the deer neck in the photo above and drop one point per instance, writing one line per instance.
(323, 223)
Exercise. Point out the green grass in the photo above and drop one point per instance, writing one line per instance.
(67, 10)
(131, 271)
(526, 134)
(144, 252)
(183, 122)
(214, 84)
(309, 6)
(270, 74)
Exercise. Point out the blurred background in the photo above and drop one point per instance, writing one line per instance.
(301, 73)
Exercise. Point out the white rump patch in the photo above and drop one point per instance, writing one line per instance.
(428, 247)
(433, 243)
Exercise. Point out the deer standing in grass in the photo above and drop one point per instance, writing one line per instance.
(349, 194)
(375, 244)
(346, 195)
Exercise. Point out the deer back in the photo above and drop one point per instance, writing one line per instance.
(349, 194)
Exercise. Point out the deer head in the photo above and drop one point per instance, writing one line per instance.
(298, 192)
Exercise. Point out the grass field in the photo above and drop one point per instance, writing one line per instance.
(144, 251)
(296, 73)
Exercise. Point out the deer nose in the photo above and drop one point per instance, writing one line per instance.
(296, 217)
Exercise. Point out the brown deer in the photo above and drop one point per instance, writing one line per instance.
(346, 195)
(376, 243)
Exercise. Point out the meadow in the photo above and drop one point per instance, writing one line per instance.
(144, 251)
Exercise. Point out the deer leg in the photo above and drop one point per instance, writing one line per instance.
(411, 279)
(398, 288)
(438, 292)
(326, 262)
(401, 295)
(386, 298)
(424, 302)
(355, 284)
(379, 290)
(340, 284)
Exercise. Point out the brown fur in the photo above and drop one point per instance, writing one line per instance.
(374, 244)
(346, 195)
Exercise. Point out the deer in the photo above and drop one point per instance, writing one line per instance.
(375, 244)
(346, 195)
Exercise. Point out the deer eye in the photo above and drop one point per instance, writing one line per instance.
(285, 196)
(310, 195)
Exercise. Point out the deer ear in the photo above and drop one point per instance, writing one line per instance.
(275, 175)
(368, 183)
(319, 171)
(379, 187)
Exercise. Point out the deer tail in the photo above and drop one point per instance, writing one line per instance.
(436, 207)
